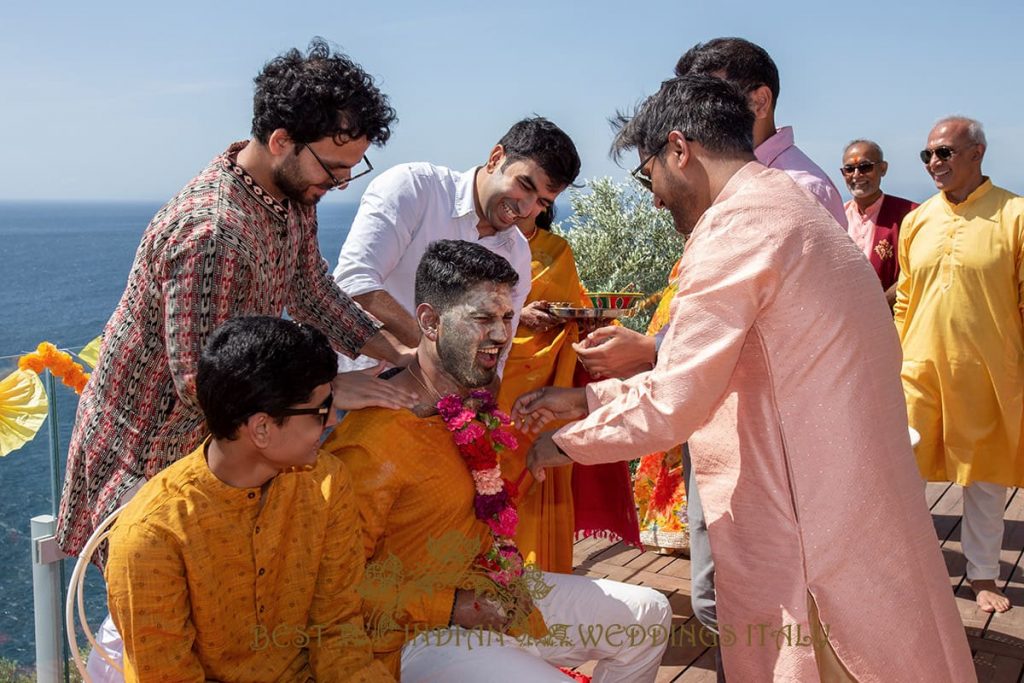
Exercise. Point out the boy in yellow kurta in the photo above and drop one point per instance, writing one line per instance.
(240, 561)
(958, 313)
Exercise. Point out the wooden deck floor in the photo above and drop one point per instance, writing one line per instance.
(997, 641)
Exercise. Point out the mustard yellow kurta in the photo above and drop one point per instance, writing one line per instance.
(780, 368)
(420, 532)
(205, 582)
(538, 359)
(958, 313)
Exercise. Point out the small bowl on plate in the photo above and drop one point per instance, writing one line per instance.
(614, 300)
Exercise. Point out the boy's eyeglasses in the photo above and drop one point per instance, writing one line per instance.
(324, 410)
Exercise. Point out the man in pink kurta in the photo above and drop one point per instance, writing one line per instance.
(827, 563)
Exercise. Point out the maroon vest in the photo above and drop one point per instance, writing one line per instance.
(887, 238)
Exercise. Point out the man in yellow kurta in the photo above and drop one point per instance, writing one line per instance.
(958, 313)
(435, 611)
(240, 561)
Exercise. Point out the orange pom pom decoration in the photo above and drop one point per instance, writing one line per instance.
(61, 364)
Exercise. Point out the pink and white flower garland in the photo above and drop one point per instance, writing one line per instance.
(477, 426)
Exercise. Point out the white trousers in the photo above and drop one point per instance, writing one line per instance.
(625, 628)
(110, 640)
(981, 535)
(108, 637)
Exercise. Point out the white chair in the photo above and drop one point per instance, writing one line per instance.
(76, 597)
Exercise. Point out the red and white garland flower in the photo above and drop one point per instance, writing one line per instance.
(478, 428)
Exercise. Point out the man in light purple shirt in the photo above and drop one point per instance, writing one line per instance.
(748, 67)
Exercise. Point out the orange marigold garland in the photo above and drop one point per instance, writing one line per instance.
(49, 357)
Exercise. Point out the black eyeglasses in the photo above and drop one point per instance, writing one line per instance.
(943, 153)
(324, 410)
(863, 167)
(335, 182)
(638, 172)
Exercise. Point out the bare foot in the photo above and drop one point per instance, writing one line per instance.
(989, 597)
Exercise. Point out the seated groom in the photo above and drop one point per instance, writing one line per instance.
(239, 562)
(447, 598)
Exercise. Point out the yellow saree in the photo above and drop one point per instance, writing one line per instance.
(537, 359)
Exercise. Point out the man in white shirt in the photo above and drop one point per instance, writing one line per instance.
(411, 205)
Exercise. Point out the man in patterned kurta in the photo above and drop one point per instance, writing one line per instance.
(239, 239)
(778, 331)
(958, 312)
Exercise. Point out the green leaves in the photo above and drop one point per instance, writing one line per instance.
(619, 238)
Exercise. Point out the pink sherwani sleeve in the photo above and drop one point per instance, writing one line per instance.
(718, 300)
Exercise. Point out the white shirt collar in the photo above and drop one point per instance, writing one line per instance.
(465, 189)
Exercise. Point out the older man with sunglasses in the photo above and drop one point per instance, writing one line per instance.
(873, 216)
(958, 312)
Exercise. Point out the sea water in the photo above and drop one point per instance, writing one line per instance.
(63, 267)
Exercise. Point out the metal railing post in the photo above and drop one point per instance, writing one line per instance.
(49, 583)
(46, 599)
(54, 430)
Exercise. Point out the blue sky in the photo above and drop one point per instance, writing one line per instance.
(118, 100)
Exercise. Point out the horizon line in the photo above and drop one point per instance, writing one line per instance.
(96, 200)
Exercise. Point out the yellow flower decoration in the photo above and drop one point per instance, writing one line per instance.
(23, 407)
(91, 353)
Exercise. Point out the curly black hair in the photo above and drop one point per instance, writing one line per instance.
(317, 95)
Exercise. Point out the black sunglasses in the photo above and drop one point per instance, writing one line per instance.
(944, 153)
(324, 410)
(863, 167)
(638, 172)
(335, 182)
